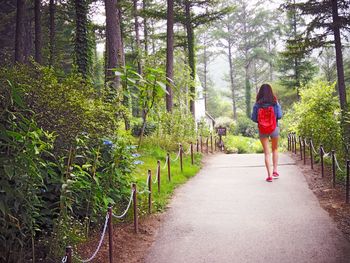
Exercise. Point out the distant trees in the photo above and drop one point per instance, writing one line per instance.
(328, 18)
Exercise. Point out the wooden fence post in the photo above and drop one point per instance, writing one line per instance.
(134, 200)
(110, 234)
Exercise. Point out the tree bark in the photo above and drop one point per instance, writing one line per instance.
(234, 108)
(113, 40)
(145, 27)
(137, 36)
(20, 32)
(170, 56)
(81, 37)
(205, 58)
(52, 10)
(247, 93)
(339, 57)
(38, 34)
(191, 56)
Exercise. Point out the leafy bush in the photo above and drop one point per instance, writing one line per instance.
(45, 193)
(241, 144)
(136, 127)
(246, 127)
(317, 115)
(65, 105)
(26, 163)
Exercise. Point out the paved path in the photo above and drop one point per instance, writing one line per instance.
(228, 213)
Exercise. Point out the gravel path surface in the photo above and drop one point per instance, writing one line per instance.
(229, 213)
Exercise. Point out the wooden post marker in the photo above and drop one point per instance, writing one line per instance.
(169, 175)
(158, 175)
(192, 157)
(321, 158)
(69, 254)
(333, 168)
(110, 234)
(134, 200)
(181, 152)
(150, 191)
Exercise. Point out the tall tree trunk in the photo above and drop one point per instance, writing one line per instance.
(340, 73)
(113, 41)
(170, 55)
(121, 54)
(52, 10)
(205, 58)
(247, 62)
(339, 57)
(81, 37)
(137, 36)
(270, 61)
(145, 27)
(230, 59)
(296, 60)
(247, 92)
(38, 35)
(191, 56)
(20, 32)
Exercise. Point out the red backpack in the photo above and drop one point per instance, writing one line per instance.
(266, 120)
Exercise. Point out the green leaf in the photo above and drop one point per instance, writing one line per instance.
(162, 85)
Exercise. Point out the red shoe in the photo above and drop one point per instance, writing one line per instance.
(275, 175)
(269, 179)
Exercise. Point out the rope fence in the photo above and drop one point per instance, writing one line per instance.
(133, 198)
(303, 144)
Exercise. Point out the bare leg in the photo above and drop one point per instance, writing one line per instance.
(274, 142)
(265, 144)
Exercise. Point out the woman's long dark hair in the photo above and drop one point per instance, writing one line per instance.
(265, 95)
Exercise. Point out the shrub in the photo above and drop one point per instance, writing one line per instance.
(136, 127)
(65, 105)
(246, 127)
(240, 144)
(317, 115)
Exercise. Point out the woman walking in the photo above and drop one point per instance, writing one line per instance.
(266, 112)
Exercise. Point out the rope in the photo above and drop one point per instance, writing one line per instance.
(177, 157)
(313, 148)
(145, 190)
(127, 208)
(166, 162)
(336, 162)
(99, 244)
(64, 259)
(156, 179)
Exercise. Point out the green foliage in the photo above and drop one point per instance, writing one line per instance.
(65, 105)
(47, 193)
(136, 127)
(150, 153)
(246, 127)
(241, 144)
(172, 129)
(26, 164)
(317, 115)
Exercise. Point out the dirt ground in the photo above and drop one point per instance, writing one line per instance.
(131, 248)
(331, 199)
(128, 246)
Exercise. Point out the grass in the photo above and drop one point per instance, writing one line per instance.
(149, 156)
